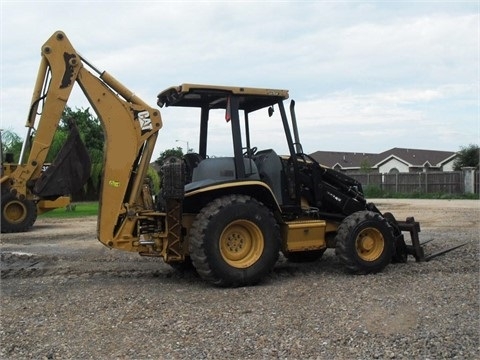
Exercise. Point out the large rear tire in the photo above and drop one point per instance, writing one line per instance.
(364, 242)
(234, 241)
(17, 215)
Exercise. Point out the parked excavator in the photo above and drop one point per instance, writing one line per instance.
(230, 216)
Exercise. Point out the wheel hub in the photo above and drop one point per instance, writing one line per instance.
(236, 243)
(370, 244)
(15, 211)
(367, 243)
(241, 243)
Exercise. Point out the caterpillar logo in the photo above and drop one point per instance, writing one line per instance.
(145, 121)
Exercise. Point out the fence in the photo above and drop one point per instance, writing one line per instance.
(422, 182)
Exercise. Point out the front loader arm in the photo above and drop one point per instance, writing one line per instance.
(130, 127)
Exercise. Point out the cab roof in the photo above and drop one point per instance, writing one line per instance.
(215, 97)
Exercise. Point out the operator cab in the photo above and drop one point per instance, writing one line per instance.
(256, 118)
(233, 106)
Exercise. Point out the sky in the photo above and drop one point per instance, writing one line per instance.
(366, 76)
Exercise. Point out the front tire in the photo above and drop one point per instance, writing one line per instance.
(17, 215)
(364, 242)
(234, 241)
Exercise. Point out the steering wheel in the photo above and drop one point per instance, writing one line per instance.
(250, 152)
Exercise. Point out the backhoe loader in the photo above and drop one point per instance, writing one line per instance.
(228, 216)
(20, 209)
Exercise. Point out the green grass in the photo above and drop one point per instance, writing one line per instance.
(79, 209)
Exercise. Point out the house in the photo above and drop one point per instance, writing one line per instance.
(345, 161)
(414, 160)
(391, 161)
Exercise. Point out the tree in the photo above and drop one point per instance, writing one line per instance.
(12, 144)
(89, 127)
(90, 130)
(92, 134)
(177, 152)
(365, 166)
(468, 156)
(154, 179)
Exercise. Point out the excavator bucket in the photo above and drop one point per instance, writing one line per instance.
(416, 249)
(69, 171)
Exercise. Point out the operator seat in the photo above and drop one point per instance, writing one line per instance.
(214, 170)
(270, 170)
(191, 161)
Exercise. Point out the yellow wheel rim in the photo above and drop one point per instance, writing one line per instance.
(370, 244)
(241, 243)
(15, 211)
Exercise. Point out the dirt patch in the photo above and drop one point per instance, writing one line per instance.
(434, 213)
(64, 295)
(69, 246)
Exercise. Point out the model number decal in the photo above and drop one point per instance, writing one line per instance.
(114, 183)
(334, 196)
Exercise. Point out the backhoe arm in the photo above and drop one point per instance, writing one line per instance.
(130, 126)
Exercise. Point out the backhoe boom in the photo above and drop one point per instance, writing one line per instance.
(130, 125)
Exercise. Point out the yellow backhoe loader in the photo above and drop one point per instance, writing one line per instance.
(231, 216)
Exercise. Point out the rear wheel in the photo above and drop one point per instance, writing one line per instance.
(17, 215)
(364, 242)
(234, 241)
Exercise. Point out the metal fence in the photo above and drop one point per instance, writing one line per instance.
(422, 182)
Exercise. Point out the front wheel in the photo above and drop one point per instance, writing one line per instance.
(17, 215)
(364, 242)
(234, 241)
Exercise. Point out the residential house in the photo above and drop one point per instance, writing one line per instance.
(390, 161)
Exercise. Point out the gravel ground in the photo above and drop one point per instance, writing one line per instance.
(65, 296)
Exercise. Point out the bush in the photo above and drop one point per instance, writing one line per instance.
(373, 191)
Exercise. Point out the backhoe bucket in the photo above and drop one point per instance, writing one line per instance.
(416, 249)
(69, 171)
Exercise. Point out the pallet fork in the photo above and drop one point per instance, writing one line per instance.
(416, 249)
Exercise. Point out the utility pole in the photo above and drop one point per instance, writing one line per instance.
(184, 141)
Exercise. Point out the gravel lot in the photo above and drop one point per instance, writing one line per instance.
(65, 296)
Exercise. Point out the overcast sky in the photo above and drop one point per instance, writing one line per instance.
(366, 76)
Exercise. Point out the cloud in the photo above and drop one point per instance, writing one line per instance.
(436, 48)
(358, 70)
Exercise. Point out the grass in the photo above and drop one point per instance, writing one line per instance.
(75, 210)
